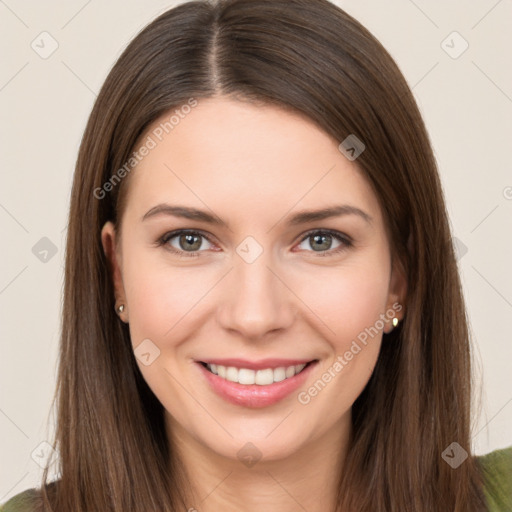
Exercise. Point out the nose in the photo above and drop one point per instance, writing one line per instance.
(256, 300)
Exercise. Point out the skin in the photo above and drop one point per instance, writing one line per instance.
(253, 167)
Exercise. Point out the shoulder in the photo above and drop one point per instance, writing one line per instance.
(496, 470)
(23, 502)
(30, 500)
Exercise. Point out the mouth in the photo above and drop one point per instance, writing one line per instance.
(260, 377)
(265, 384)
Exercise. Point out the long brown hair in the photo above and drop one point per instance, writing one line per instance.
(313, 58)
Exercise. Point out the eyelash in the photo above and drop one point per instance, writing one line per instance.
(344, 239)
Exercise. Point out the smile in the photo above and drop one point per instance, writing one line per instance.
(262, 377)
(266, 383)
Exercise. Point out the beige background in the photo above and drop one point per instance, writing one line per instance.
(466, 102)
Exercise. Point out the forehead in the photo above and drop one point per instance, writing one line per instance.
(244, 159)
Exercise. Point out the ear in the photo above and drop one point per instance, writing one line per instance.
(113, 253)
(396, 296)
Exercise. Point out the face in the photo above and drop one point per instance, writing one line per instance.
(230, 287)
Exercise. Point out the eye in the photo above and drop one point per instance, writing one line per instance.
(189, 243)
(321, 242)
(184, 242)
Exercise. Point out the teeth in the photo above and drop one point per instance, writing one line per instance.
(260, 377)
(279, 374)
(232, 374)
(246, 376)
(264, 377)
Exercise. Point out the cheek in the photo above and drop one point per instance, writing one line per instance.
(352, 308)
(348, 301)
(163, 305)
(160, 297)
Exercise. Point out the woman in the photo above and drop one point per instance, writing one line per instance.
(262, 309)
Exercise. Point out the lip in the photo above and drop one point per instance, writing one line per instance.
(254, 395)
(257, 365)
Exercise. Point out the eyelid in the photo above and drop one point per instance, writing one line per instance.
(333, 232)
(171, 234)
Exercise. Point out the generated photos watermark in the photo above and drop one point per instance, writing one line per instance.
(305, 397)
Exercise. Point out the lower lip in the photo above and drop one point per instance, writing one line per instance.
(254, 395)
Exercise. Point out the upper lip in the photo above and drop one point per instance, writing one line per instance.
(257, 365)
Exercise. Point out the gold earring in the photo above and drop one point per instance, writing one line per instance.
(395, 321)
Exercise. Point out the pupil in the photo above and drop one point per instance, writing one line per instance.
(188, 242)
(319, 238)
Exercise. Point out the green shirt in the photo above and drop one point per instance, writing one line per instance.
(496, 469)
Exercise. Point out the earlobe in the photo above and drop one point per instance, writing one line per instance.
(113, 255)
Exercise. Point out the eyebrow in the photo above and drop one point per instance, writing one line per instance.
(301, 217)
